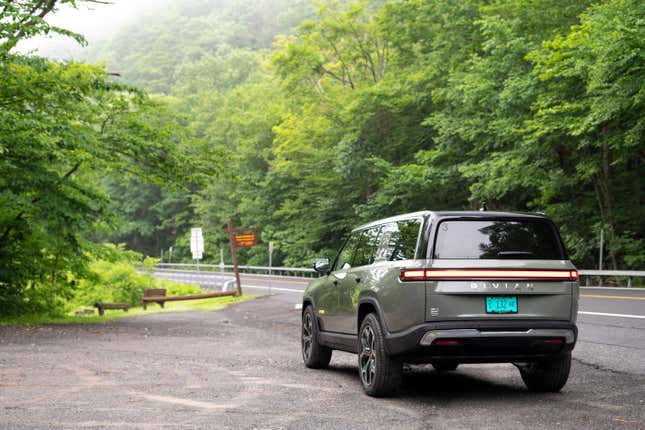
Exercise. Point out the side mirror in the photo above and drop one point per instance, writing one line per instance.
(321, 265)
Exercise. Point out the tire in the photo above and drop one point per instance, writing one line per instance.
(548, 376)
(314, 355)
(379, 373)
(445, 366)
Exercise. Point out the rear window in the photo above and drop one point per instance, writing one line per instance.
(490, 239)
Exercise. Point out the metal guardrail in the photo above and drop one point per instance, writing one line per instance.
(629, 274)
(206, 280)
(311, 273)
(304, 272)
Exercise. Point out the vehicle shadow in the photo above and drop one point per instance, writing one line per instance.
(427, 382)
(423, 382)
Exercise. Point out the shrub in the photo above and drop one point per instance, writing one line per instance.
(120, 282)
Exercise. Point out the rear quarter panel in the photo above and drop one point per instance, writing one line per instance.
(403, 304)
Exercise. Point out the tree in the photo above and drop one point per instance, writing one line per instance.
(591, 111)
(25, 19)
(64, 125)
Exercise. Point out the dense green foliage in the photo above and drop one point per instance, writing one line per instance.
(65, 128)
(116, 280)
(372, 108)
(324, 117)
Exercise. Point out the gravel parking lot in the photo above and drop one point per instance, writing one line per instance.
(241, 368)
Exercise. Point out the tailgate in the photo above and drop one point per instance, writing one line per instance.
(488, 290)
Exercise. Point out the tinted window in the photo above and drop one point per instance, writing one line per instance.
(344, 259)
(497, 240)
(366, 250)
(399, 240)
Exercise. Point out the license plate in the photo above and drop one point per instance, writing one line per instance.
(501, 305)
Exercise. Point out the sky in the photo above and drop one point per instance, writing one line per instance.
(94, 21)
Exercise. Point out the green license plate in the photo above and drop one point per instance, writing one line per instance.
(501, 305)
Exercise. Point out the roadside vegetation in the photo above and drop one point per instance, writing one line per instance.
(307, 119)
(112, 275)
(202, 305)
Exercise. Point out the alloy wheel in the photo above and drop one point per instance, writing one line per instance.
(367, 357)
(307, 335)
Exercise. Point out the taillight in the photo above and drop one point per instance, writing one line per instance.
(437, 274)
(413, 275)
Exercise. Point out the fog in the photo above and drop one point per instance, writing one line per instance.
(94, 21)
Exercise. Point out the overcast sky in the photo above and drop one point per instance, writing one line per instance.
(94, 21)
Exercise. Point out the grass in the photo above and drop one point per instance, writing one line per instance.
(201, 305)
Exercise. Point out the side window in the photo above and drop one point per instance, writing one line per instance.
(344, 259)
(399, 240)
(366, 250)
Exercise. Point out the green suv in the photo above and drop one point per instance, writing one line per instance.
(446, 288)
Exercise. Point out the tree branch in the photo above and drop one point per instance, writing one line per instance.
(18, 217)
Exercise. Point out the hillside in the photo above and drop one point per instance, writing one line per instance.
(153, 51)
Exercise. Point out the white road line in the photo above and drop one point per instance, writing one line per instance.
(291, 290)
(603, 314)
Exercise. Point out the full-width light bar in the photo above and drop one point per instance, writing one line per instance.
(437, 274)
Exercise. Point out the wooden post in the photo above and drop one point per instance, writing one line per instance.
(234, 256)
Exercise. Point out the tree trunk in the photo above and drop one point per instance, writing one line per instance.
(601, 182)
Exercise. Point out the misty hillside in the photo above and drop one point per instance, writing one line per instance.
(152, 50)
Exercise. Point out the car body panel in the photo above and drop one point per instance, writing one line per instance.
(402, 303)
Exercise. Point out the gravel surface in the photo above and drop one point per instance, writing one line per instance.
(240, 368)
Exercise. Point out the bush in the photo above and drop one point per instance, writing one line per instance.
(177, 288)
(112, 282)
(149, 264)
(120, 282)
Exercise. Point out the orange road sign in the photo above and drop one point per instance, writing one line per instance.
(245, 240)
(240, 238)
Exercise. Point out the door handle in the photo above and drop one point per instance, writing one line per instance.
(336, 283)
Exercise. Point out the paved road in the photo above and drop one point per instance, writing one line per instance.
(241, 368)
(611, 320)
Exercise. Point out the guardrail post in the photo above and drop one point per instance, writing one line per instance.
(629, 282)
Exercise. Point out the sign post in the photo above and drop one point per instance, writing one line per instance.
(270, 263)
(240, 238)
(196, 244)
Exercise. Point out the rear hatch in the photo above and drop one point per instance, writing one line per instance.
(499, 268)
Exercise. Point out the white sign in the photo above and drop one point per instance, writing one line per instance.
(196, 243)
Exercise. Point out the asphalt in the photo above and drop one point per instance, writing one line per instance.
(611, 321)
(240, 368)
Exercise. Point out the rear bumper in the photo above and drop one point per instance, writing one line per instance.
(484, 341)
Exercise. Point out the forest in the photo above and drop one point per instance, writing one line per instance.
(306, 119)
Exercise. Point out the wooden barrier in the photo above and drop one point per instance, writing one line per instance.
(162, 298)
(102, 306)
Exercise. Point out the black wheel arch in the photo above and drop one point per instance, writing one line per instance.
(308, 301)
(367, 305)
